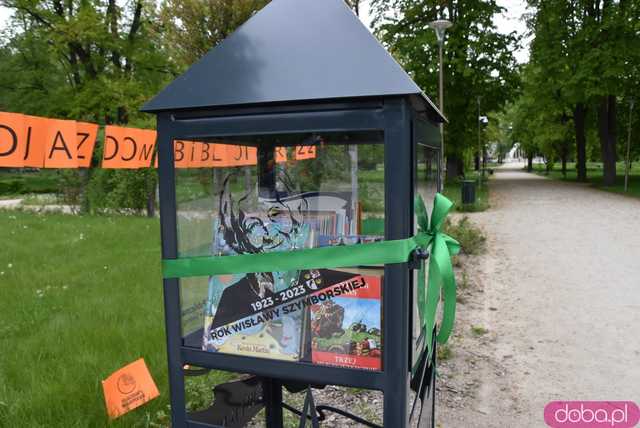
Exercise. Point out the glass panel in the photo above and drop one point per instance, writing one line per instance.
(263, 194)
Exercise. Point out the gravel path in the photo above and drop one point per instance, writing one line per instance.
(559, 292)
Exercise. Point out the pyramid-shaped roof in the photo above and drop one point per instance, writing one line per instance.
(291, 51)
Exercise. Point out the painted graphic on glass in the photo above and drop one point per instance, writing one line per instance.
(325, 316)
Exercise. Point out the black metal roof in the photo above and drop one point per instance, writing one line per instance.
(292, 51)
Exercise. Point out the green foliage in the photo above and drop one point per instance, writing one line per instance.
(95, 61)
(193, 27)
(472, 240)
(124, 191)
(498, 135)
(25, 182)
(583, 52)
(478, 60)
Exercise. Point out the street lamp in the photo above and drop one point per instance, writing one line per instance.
(440, 26)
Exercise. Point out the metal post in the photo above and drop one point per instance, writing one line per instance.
(398, 225)
(272, 392)
(627, 165)
(479, 147)
(353, 156)
(172, 309)
(441, 100)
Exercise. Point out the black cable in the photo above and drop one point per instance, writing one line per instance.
(321, 409)
(346, 415)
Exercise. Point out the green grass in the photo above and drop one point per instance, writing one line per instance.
(478, 330)
(594, 176)
(444, 352)
(81, 297)
(453, 191)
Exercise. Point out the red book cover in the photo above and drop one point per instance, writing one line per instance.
(345, 325)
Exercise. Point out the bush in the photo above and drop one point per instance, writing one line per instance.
(11, 187)
(470, 237)
(122, 191)
(71, 187)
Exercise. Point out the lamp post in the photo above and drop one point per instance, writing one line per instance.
(479, 142)
(440, 26)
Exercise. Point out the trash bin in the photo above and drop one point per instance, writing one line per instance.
(468, 192)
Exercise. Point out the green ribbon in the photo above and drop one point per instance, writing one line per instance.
(429, 236)
(441, 276)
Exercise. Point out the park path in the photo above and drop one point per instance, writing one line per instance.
(560, 297)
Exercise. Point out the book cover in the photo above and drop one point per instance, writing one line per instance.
(346, 324)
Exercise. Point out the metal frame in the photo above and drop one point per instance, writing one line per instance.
(394, 116)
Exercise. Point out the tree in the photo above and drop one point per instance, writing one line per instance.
(498, 135)
(478, 61)
(590, 53)
(93, 61)
(193, 27)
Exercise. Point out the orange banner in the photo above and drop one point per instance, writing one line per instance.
(11, 138)
(86, 134)
(128, 388)
(128, 148)
(31, 141)
(36, 132)
(305, 152)
(281, 154)
(241, 155)
(181, 152)
(60, 148)
(196, 154)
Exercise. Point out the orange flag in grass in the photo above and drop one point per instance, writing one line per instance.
(128, 388)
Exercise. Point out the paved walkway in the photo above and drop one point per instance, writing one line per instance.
(562, 294)
(10, 203)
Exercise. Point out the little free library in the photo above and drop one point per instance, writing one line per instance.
(308, 260)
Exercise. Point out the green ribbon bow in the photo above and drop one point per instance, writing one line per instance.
(441, 275)
(376, 253)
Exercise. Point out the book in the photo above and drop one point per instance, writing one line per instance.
(346, 329)
(249, 315)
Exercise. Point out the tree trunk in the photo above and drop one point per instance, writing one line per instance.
(455, 167)
(581, 141)
(476, 161)
(564, 163)
(607, 134)
(151, 203)
(85, 177)
(529, 162)
(151, 193)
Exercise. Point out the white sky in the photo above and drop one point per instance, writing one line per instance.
(506, 22)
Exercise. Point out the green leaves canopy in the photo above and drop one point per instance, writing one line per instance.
(478, 59)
